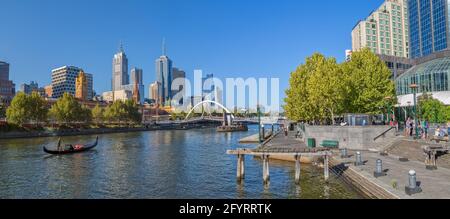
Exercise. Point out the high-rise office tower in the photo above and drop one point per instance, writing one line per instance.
(154, 90)
(179, 76)
(7, 87)
(136, 76)
(429, 26)
(4, 71)
(208, 82)
(120, 70)
(63, 81)
(164, 76)
(385, 31)
(29, 88)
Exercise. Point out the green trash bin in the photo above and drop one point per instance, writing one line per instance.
(311, 142)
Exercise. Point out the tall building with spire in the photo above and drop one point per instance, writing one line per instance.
(164, 76)
(120, 70)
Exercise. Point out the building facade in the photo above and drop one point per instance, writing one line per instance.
(397, 65)
(136, 76)
(120, 70)
(385, 31)
(81, 87)
(164, 76)
(429, 26)
(179, 77)
(118, 95)
(154, 90)
(431, 73)
(48, 91)
(29, 88)
(63, 81)
(7, 87)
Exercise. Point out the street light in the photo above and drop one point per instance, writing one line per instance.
(416, 122)
(259, 124)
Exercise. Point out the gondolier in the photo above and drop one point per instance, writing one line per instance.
(70, 149)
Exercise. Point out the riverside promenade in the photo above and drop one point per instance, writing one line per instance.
(435, 184)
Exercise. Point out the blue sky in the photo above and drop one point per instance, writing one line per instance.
(229, 38)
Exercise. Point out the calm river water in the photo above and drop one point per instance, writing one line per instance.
(159, 164)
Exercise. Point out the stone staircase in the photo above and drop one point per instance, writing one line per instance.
(359, 182)
(385, 142)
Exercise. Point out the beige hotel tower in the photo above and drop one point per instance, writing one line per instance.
(385, 30)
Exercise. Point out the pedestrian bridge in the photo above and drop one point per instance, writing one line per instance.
(264, 120)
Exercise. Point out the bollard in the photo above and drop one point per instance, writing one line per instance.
(359, 161)
(379, 169)
(412, 187)
(344, 153)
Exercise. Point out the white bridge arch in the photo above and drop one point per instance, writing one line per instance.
(210, 102)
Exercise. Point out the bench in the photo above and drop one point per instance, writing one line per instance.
(432, 153)
(330, 144)
(439, 139)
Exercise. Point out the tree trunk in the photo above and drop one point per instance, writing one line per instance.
(333, 121)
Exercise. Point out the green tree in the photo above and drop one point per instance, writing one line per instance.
(132, 113)
(97, 114)
(432, 110)
(2, 110)
(18, 112)
(320, 88)
(123, 111)
(37, 108)
(67, 110)
(298, 105)
(115, 112)
(85, 115)
(325, 89)
(367, 81)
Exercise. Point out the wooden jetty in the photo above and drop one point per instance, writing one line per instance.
(265, 154)
(254, 139)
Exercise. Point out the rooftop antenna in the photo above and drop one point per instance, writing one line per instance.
(120, 47)
(164, 46)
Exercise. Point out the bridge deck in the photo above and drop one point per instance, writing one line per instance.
(283, 145)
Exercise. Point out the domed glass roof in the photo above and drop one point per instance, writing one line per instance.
(431, 76)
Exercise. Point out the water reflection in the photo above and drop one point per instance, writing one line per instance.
(160, 164)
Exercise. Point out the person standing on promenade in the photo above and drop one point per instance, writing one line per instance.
(448, 128)
(425, 129)
(407, 127)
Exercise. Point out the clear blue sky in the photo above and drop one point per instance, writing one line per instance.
(229, 38)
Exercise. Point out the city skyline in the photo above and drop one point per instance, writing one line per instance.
(220, 45)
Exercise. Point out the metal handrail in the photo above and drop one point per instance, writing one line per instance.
(384, 133)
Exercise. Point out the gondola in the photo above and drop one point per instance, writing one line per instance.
(70, 149)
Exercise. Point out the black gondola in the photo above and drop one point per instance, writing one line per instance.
(71, 149)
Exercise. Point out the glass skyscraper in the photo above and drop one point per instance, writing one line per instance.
(429, 26)
(164, 77)
(120, 70)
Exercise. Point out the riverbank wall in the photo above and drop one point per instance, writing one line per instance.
(352, 137)
(99, 131)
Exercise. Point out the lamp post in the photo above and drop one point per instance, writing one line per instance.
(408, 111)
(416, 122)
(259, 123)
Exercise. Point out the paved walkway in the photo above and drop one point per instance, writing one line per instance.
(281, 141)
(435, 184)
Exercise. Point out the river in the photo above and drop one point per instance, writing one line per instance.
(157, 164)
